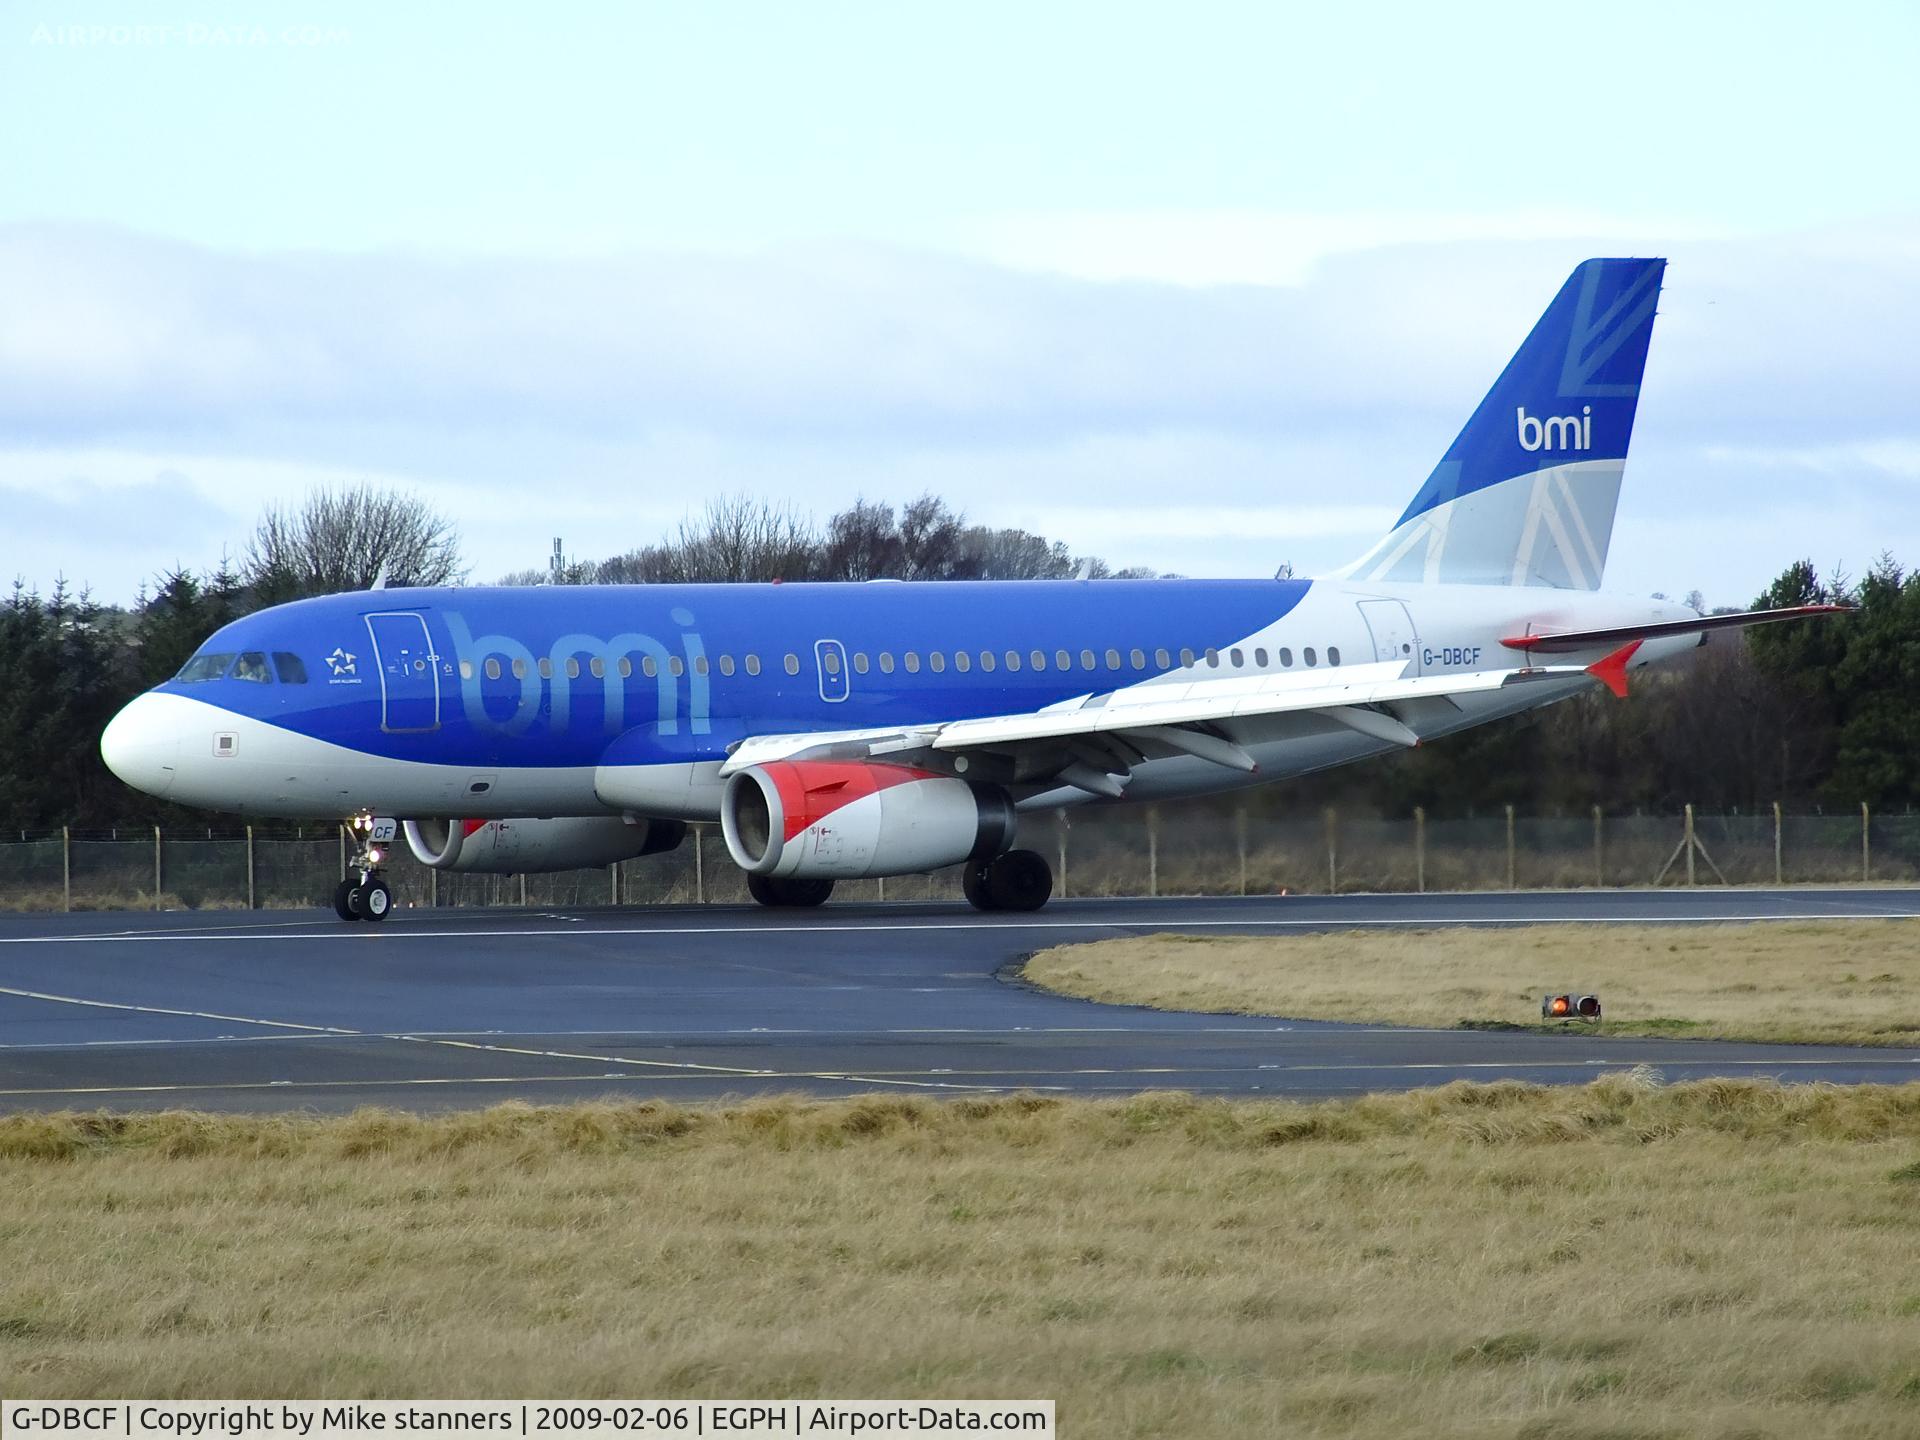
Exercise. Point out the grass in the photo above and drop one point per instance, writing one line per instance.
(1852, 982)
(1723, 1258)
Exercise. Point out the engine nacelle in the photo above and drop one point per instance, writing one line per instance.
(841, 820)
(532, 847)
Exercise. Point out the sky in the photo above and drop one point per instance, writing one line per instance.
(1206, 288)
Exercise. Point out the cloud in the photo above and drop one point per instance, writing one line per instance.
(1038, 380)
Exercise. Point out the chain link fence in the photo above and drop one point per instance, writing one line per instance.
(1120, 851)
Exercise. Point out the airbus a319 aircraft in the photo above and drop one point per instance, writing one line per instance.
(849, 730)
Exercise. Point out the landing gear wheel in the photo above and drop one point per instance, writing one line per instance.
(341, 907)
(376, 900)
(1017, 880)
(788, 894)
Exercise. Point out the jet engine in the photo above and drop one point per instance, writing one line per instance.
(531, 847)
(824, 819)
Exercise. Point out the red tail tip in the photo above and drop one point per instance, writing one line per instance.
(1612, 671)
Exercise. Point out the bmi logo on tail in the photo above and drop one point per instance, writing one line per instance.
(1556, 432)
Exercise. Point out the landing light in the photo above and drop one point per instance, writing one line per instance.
(1569, 1007)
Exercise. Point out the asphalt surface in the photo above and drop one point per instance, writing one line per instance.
(447, 1009)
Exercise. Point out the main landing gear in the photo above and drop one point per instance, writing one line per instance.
(367, 897)
(1017, 880)
(789, 894)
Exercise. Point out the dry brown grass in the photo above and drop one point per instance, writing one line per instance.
(1831, 981)
(1714, 1259)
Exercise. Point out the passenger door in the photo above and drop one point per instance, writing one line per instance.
(1392, 630)
(409, 671)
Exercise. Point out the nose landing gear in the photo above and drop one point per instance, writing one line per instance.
(366, 897)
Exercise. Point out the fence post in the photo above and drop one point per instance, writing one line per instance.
(1777, 872)
(343, 852)
(880, 888)
(1240, 843)
(1690, 844)
(251, 905)
(1511, 875)
(1153, 850)
(1866, 846)
(1599, 849)
(433, 887)
(1420, 848)
(156, 867)
(1333, 851)
(1060, 819)
(522, 878)
(66, 868)
(700, 863)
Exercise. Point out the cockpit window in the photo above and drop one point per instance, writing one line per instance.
(293, 670)
(252, 666)
(205, 667)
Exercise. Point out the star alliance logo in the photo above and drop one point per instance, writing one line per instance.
(340, 662)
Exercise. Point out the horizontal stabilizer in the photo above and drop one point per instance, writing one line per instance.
(1560, 641)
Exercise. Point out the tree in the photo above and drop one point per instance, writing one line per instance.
(346, 539)
(172, 623)
(62, 688)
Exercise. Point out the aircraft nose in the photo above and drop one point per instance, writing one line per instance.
(142, 745)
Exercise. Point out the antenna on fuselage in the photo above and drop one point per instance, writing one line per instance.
(380, 577)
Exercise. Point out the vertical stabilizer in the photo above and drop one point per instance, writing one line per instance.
(1526, 494)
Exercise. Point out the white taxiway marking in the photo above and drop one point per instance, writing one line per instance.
(1423, 922)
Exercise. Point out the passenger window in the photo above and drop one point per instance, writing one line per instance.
(649, 667)
(573, 667)
(1062, 660)
(519, 668)
(1213, 658)
(1308, 654)
(936, 661)
(293, 670)
(1139, 658)
(1260, 658)
(466, 669)
(912, 661)
(1086, 660)
(1162, 659)
(1236, 657)
(886, 662)
(1186, 658)
(792, 663)
(726, 664)
(753, 665)
(253, 666)
(1333, 655)
(493, 667)
(961, 662)
(986, 660)
(860, 662)
(1286, 658)
(597, 667)
(1013, 659)
(1038, 659)
(546, 667)
(1113, 659)
(701, 665)
(676, 666)
(626, 666)
(830, 661)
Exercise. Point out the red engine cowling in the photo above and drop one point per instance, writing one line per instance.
(841, 820)
(532, 847)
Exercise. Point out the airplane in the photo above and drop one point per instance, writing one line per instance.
(884, 728)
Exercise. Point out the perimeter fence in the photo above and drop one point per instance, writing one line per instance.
(1122, 851)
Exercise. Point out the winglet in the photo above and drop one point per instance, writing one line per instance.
(1612, 671)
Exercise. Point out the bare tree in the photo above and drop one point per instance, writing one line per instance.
(344, 540)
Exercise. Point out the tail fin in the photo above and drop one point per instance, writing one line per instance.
(1526, 494)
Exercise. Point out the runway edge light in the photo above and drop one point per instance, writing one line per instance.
(1569, 1007)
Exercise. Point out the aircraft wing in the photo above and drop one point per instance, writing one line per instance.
(1555, 641)
(1087, 732)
